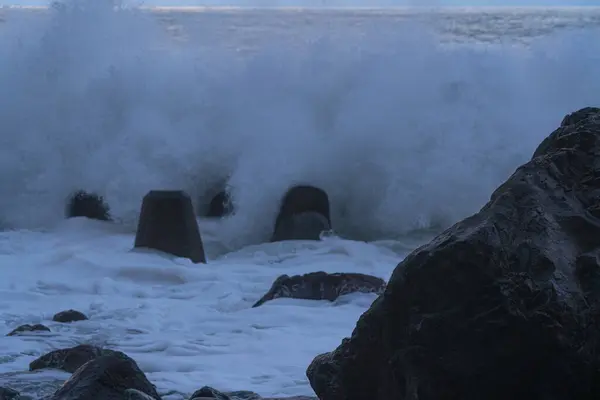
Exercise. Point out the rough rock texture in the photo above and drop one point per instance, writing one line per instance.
(72, 358)
(207, 392)
(503, 305)
(322, 286)
(303, 214)
(9, 394)
(107, 377)
(168, 223)
(220, 206)
(69, 316)
(28, 329)
(90, 205)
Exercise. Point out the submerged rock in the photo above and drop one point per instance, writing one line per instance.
(322, 286)
(89, 205)
(303, 215)
(108, 377)
(69, 316)
(503, 305)
(71, 359)
(28, 329)
(207, 392)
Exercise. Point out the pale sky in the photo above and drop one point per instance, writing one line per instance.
(338, 3)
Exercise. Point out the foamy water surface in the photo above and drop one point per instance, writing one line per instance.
(407, 119)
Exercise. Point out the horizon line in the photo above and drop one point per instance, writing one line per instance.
(366, 8)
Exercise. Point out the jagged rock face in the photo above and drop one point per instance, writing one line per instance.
(502, 305)
(321, 286)
(108, 377)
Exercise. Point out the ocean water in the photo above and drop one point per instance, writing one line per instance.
(407, 118)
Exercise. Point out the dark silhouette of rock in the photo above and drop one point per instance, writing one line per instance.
(72, 358)
(9, 394)
(207, 392)
(69, 316)
(89, 205)
(28, 329)
(220, 205)
(322, 286)
(303, 215)
(502, 305)
(107, 377)
(168, 223)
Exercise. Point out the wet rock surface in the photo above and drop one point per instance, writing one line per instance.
(503, 305)
(27, 328)
(322, 286)
(111, 374)
(207, 392)
(107, 377)
(69, 316)
(71, 359)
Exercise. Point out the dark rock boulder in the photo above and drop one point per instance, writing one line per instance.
(322, 286)
(168, 223)
(107, 377)
(28, 329)
(220, 205)
(9, 394)
(206, 392)
(503, 305)
(89, 205)
(69, 316)
(72, 358)
(303, 215)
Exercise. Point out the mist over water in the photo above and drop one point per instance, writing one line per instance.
(402, 131)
